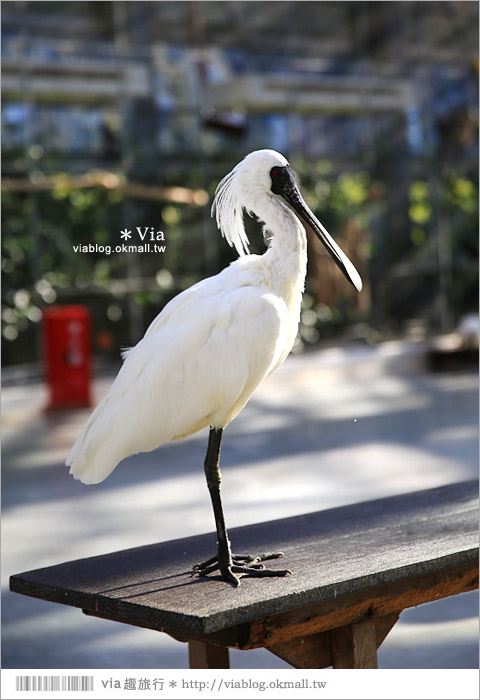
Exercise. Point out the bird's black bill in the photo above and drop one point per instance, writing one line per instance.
(289, 191)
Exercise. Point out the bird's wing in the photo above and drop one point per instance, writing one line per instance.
(173, 307)
(197, 365)
(202, 290)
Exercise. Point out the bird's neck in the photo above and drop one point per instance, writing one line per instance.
(287, 252)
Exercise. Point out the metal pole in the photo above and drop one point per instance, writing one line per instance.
(122, 49)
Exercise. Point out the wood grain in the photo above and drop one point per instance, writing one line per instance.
(349, 563)
(354, 646)
(364, 645)
(379, 601)
(204, 655)
(305, 652)
(315, 651)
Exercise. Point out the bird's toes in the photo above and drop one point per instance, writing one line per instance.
(244, 557)
(228, 574)
(226, 570)
(203, 570)
(205, 564)
(274, 555)
(241, 564)
(245, 560)
(267, 573)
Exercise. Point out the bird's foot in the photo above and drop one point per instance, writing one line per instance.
(242, 564)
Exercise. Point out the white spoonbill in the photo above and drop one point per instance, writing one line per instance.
(211, 346)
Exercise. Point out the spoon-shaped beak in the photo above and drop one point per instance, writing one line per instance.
(294, 198)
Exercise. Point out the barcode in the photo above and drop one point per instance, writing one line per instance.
(53, 683)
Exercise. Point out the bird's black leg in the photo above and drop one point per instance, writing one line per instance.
(229, 565)
(224, 561)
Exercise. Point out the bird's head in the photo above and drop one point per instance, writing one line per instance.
(258, 174)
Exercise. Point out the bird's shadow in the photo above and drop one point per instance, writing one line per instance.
(193, 579)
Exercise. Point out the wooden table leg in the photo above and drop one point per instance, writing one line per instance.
(203, 655)
(305, 652)
(354, 646)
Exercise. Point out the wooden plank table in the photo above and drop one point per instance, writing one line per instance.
(354, 568)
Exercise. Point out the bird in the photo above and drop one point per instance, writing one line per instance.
(210, 347)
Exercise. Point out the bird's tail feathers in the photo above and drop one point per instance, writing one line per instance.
(92, 457)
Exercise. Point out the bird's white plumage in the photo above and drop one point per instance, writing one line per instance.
(210, 347)
(237, 192)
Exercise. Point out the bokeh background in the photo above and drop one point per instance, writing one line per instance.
(124, 114)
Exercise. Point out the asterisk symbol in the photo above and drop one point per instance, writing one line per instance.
(173, 684)
(126, 234)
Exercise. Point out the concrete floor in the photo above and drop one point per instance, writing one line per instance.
(328, 428)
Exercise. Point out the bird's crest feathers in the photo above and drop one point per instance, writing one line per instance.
(250, 176)
(228, 211)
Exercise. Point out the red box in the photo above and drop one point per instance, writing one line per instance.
(68, 355)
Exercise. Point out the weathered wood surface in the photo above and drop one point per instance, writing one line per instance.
(319, 650)
(348, 563)
(351, 608)
(204, 655)
(354, 646)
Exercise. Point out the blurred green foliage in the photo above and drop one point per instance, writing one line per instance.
(40, 266)
(460, 202)
(404, 271)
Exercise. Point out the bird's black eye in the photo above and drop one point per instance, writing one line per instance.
(282, 179)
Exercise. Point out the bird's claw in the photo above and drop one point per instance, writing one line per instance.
(246, 559)
(244, 564)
